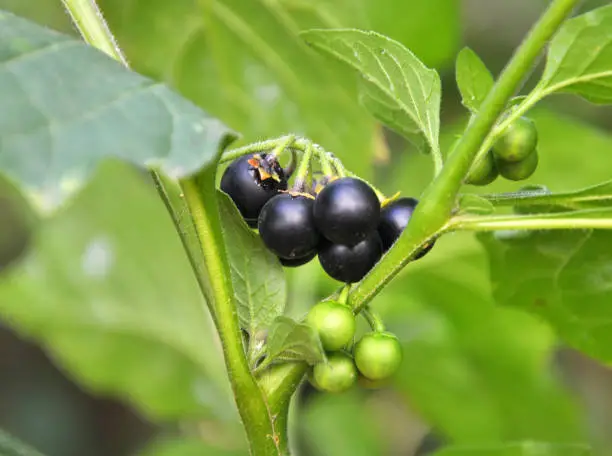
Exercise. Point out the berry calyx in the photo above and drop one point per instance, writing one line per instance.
(250, 181)
(484, 172)
(286, 226)
(346, 211)
(519, 170)
(334, 323)
(378, 355)
(336, 375)
(350, 264)
(518, 141)
(394, 218)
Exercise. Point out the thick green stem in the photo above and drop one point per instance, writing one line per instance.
(256, 417)
(252, 406)
(439, 199)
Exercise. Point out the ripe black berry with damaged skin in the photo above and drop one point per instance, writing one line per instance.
(350, 264)
(394, 218)
(287, 228)
(250, 181)
(346, 211)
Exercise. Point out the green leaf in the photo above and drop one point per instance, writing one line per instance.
(519, 449)
(289, 340)
(109, 292)
(68, 106)
(467, 370)
(187, 447)
(474, 79)
(257, 275)
(243, 62)
(391, 76)
(563, 277)
(470, 203)
(342, 425)
(580, 58)
(10, 446)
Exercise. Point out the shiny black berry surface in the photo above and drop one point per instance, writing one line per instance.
(296, 262)
(286, 226)
(251, 181)
(350, 263)
(346, 211)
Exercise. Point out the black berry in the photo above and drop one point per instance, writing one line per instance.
(394, 218)
(350, 263)
(287, 228)
(295, 262)
(346, 211)
(251, 181)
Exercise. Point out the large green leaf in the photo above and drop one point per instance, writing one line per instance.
(396, 86)
(187, 447)
(563, 276)
(242, 61)
(67, 106)
(341, 425)
(580, 57)
(519, 449)
(257, 275)
(108, 290)
(10, 446)
(476, 372)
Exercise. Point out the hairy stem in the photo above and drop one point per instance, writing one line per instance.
(253, 409)
(439, 199)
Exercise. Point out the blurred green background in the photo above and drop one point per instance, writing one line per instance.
(473, 372)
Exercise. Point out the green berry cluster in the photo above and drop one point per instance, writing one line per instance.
(514, 155)
(374, 358)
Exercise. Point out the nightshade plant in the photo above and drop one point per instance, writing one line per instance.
(91, 125)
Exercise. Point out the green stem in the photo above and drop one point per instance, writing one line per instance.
(283, 143)
(252, 407)
(297, 144)
(303, 169)
(373, 319)
(587, 219)
(257, 421)
(344, 293)
(439, 199)
(93, 28)
(324, 161)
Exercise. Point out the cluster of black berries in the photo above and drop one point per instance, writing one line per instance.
(514, 155)
(341, 221)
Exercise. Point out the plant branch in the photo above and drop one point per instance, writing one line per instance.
(587, 219)
(439, 199)
(249, 398)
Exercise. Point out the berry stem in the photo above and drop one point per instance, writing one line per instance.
(282, 144)
(343, 298)
(325, 162)
(303, 169)
(340, 169)
(373, 319)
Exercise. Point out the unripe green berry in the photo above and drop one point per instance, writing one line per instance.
(378, 355)
(518, 141)
(336, 375)
(483, 172)
(334, 322)
(520, 170)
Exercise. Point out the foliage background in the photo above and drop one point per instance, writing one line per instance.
(473, 371)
